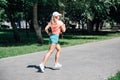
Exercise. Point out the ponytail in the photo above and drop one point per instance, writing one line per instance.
(52, 21)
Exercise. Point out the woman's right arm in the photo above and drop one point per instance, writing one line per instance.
(46, 29)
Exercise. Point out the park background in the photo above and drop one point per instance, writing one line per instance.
(22, 23)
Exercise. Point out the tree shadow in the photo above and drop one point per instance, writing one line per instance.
(7, 39)
(9, 43)
(80, 37)
(85, 32)
(85, 35)
(63, 43)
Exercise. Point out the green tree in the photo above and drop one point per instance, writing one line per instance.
(115, 10)
(11, 8)
(36, 26)
(35, 21)
(55, 5)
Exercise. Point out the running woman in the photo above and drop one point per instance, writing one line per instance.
(57, 27)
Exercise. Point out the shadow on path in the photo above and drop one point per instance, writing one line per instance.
(34, 66)
(38, 68)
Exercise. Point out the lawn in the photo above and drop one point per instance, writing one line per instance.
(8, 47)
(115, 77)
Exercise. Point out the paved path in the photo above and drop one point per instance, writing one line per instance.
(91, 61)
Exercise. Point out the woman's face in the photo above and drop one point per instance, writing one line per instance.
(57, 17)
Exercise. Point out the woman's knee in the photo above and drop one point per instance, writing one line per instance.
(51, 49)
(58, 48)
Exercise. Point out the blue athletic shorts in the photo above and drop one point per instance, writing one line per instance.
(54, 38)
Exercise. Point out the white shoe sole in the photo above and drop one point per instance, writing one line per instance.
(41, 69)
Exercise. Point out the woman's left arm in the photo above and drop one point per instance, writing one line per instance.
(63, 28)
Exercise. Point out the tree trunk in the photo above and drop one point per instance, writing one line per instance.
(101, 25)
(27, 29)
(83, 27)
(35, 23)
(89, 26)
(15, 31)
(97, 25)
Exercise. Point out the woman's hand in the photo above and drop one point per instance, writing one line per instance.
(60, 32)
(49, 33)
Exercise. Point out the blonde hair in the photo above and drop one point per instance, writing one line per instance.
(52, 21)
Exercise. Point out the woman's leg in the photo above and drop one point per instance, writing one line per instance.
(57, 56)
(46, 57)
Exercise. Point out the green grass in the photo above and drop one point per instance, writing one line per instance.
(115, 77)
(8, 47)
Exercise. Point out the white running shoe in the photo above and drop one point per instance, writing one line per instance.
(42, 68)
(57, 66)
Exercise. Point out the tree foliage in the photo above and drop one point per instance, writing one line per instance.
(91, 12)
